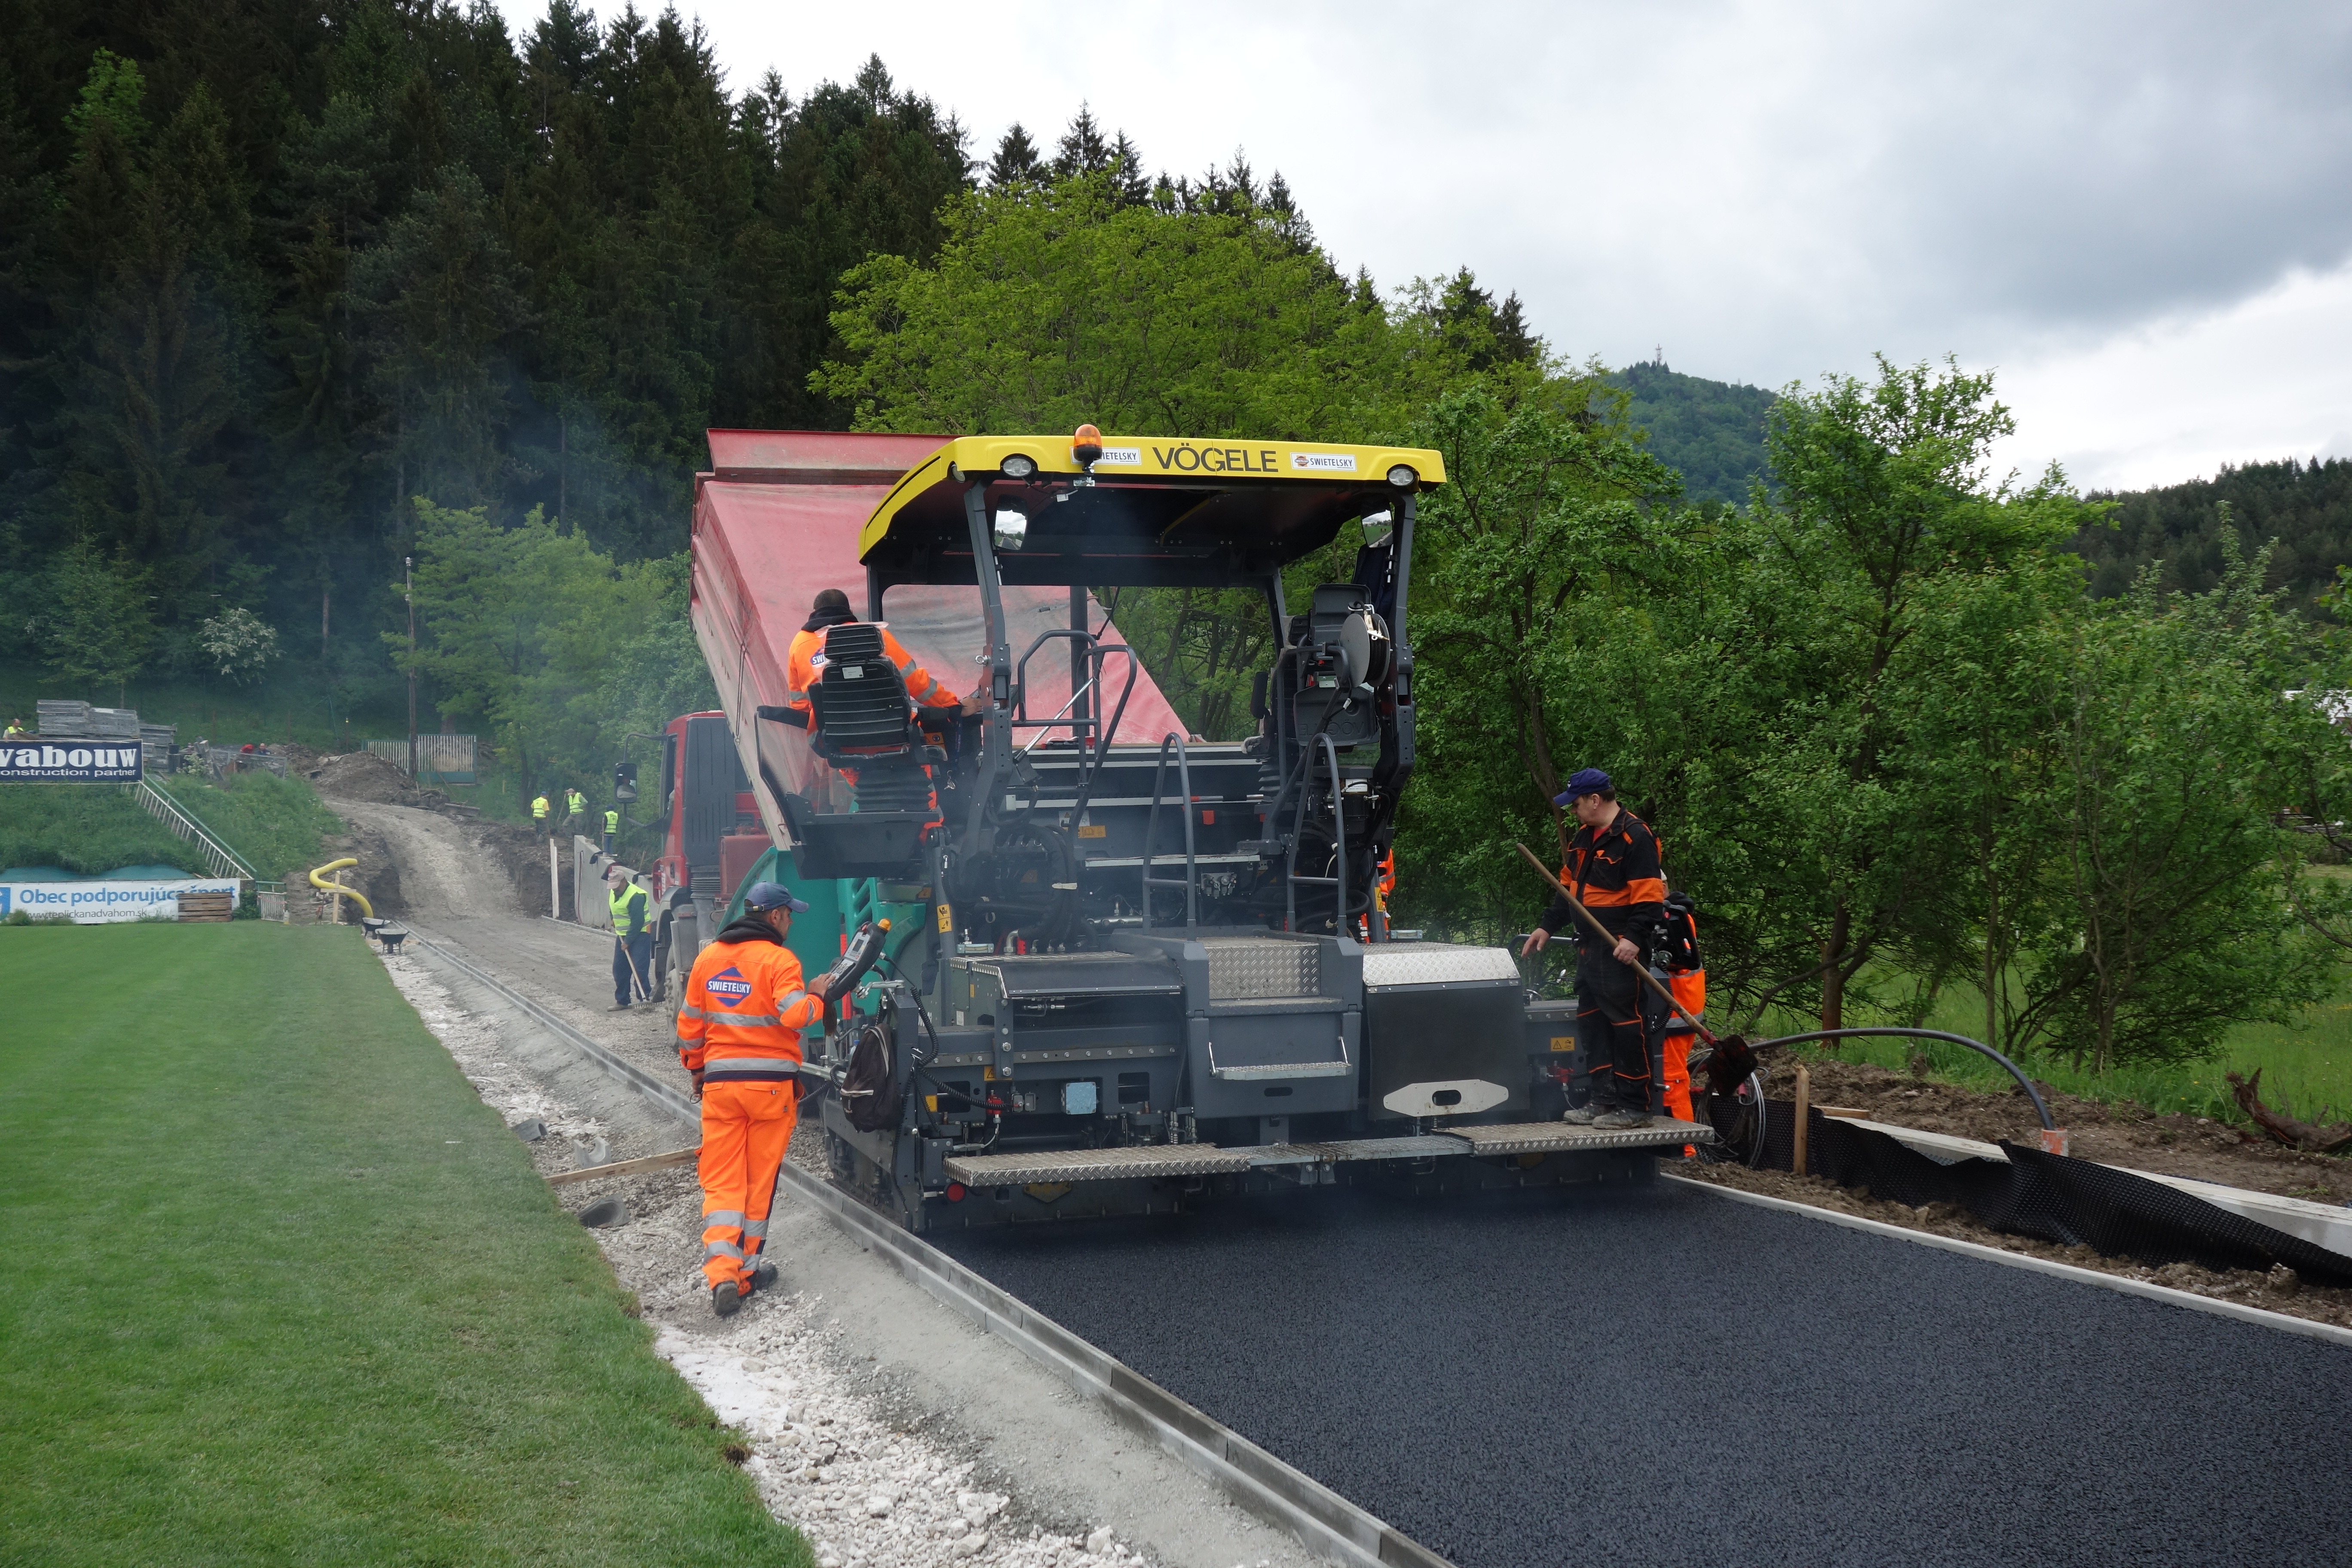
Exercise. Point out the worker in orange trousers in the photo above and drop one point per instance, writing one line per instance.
(739, 1037)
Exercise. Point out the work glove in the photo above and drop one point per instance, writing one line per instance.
(696, 1074)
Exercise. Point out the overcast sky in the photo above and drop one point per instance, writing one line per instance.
(2138, 214)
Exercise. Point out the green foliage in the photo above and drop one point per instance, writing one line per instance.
(479, 1393)
(1885, 742)
(267, 274)
(1709, 432)
(1527, 560)
(2165, 718)
(239, 644)
(97, 627)
(525, 631)
(659, 674)
(1048, 307)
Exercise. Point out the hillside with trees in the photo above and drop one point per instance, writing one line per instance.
(2186, 531)
(1709, 432)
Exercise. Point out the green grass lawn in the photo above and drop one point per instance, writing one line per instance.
(276, 823)
(276, 1286)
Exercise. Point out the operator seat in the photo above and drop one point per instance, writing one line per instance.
(863, 719)
(1344, 658)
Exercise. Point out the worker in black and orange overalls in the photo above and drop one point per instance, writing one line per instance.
(1612, 869)
(739, 1035)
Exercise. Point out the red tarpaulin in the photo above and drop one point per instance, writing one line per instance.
(776, 521)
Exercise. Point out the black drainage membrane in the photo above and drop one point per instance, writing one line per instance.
(2049, 1197)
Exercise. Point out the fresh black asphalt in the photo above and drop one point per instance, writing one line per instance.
(1662, 1375)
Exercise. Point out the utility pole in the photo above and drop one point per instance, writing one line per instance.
(408, 591)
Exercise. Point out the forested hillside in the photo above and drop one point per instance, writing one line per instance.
(1710, 432)
(2306, 507)
(271, 270)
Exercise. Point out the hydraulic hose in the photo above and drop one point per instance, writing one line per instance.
(319, 882)
(1978, 1046)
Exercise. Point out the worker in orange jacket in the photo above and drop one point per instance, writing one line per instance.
(805, 660)
(738, 1035)
(1686, 978)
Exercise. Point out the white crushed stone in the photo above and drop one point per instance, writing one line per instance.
(825, 1458)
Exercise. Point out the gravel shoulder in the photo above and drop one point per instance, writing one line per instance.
(888, 1429)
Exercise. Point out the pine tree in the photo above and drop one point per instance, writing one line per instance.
(1016, 161)
(1135, 188)
(1082, 149)
(438, 307)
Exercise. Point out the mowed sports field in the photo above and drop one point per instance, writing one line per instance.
(276, 1286)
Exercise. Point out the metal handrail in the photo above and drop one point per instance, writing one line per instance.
(1094, 724)
(219, 858)
(1338, 842)
(1151, 830)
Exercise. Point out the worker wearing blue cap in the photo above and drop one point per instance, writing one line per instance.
(739, 1038)
(1615, 871)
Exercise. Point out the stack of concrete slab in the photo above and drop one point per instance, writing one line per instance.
(157, 740)
(70, 721)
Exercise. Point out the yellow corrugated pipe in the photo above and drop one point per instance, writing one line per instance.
(319, 882)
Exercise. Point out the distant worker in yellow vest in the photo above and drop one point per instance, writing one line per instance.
(539, 813)
(16, 728)
(612, 828)
(632, 937)
(575, 810)
(738, 1035)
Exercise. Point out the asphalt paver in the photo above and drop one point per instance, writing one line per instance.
(1659, 1374)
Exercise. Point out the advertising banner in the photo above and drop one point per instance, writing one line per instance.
(94, 903)
(70, 761)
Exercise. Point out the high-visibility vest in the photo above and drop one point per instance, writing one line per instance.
(744, 1012)
(574, 802)
(539, 810)
(611, 822)
(622, 898)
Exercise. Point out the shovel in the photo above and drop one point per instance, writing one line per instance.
(1603, 933)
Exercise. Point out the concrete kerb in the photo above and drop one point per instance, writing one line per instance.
(1325, 1522)
(2154, 1292)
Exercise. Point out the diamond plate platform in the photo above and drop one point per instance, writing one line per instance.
(1427, 1146)
(1390, 964)
(1144, 1160)
(1559, 1137)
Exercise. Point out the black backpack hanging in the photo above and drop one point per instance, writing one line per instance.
(1680, 944)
